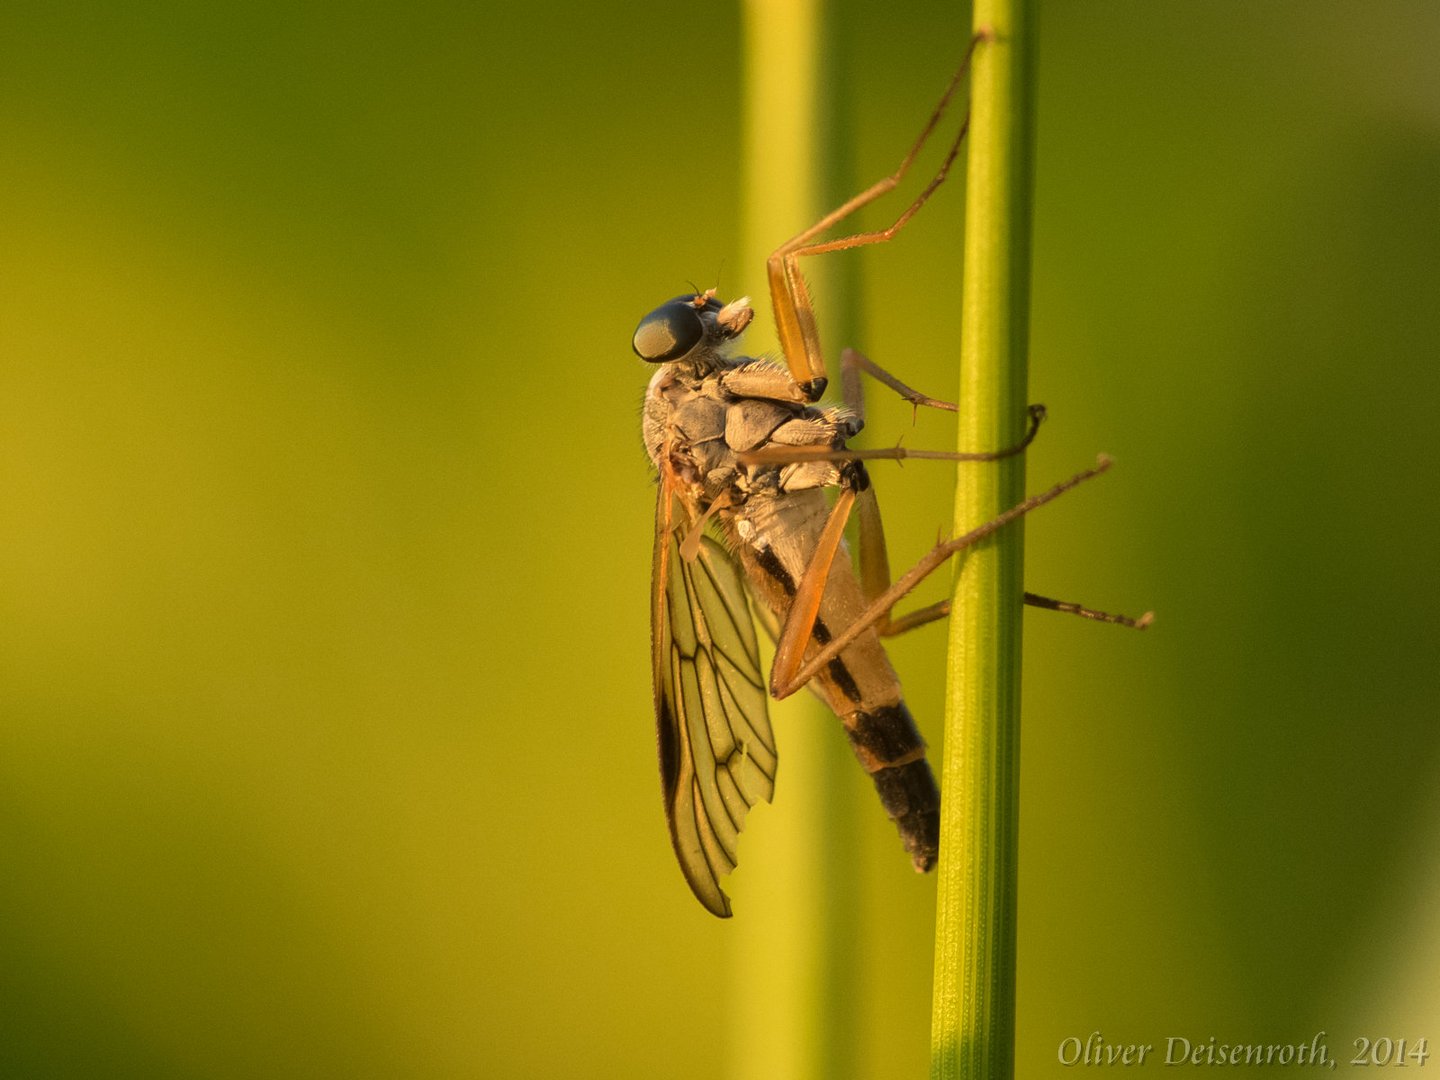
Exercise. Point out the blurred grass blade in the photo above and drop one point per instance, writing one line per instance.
(793, 943)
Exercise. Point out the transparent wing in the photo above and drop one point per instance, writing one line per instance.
(717, 752)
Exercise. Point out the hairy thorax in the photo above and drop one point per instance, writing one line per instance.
(697, 420)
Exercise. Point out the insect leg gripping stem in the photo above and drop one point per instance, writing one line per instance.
(795, 674)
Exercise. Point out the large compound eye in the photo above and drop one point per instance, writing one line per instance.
(668, 332)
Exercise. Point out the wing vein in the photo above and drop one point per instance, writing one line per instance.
(717, 750)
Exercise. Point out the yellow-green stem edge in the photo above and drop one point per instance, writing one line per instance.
(973, 1015)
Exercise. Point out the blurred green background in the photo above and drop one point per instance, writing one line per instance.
(325, 734)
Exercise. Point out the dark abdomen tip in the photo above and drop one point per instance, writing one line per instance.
(888, 744)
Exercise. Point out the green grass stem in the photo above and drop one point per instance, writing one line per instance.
(973, 1018)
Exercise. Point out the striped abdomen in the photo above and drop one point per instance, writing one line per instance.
(775, 538)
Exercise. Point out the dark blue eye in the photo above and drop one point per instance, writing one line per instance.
(669, 332)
